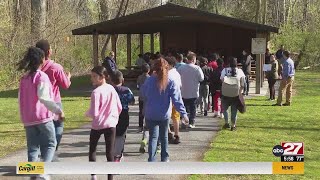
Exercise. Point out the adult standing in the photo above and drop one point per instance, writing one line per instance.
(158, 91)
(110, 64)
(286, 84)
(272, 76)
(246, 68)
(58, 78)
(230, 95)
(191, 76)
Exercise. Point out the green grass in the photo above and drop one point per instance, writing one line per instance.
(264, 126)
(12, 134)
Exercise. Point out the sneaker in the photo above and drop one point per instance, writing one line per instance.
(286, 104)
(176, 140)
(233, 128)
(94, 177)
(192, 126)
(226, 126)
(215, 115)
(117, 158)
(205, 113)
(143, 146)
(276, 104)
(159, 149)
(221, 116)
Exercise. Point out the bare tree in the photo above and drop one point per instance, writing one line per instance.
(38, 19)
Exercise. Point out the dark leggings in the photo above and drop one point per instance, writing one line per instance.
(141, 116)
(271, 83)
(109, 137)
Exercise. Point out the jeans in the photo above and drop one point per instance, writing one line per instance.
(119, 144)
(109, 137)
(191, 105)
(58, 126)
(204, 93)
(41, 137)
(158, 130)
(226, 102)
(247, 84)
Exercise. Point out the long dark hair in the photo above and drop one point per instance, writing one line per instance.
(233, 65)
(32, 60)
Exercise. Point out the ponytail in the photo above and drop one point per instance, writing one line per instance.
(32, 60)
(233, 65)
(161, 70)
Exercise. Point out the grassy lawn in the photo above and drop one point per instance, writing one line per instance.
(12, 133)
(265, 126)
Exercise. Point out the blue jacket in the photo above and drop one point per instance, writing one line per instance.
(157, 106)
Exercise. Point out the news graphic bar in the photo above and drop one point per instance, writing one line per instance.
(161, 168)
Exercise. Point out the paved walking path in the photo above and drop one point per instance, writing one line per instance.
(75, 145)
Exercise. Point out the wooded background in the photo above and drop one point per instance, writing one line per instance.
(23, 22)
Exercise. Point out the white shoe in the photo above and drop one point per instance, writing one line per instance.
(221, 116)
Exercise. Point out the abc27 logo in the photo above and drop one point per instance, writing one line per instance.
(289, 151)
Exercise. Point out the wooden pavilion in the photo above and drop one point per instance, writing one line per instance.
(183, 28)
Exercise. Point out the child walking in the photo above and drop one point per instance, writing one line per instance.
(142, 126)
(216, 84)
(126, 98)
(104, 110)
(37, 107)
(141, 79)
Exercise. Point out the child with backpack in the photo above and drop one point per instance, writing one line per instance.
(204, 85)
(233, 80)
(105, 108)
(215, 84)
(37, 107)
(126, 98)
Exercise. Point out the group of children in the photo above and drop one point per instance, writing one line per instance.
(42, 114)
(41, 109)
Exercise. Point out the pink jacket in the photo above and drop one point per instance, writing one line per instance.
(105, 107)
(57, 77)
(35, 97)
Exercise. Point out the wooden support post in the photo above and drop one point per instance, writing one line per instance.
(114, 46)
(258, 73)
(152, 43)
(128, 50)
(95, 47)
(141, 43)
(260, 59)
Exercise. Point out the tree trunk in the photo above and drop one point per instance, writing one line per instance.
(305, 11)
(258, 5)
(38, 19)
(104, 48)
(264, 17)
